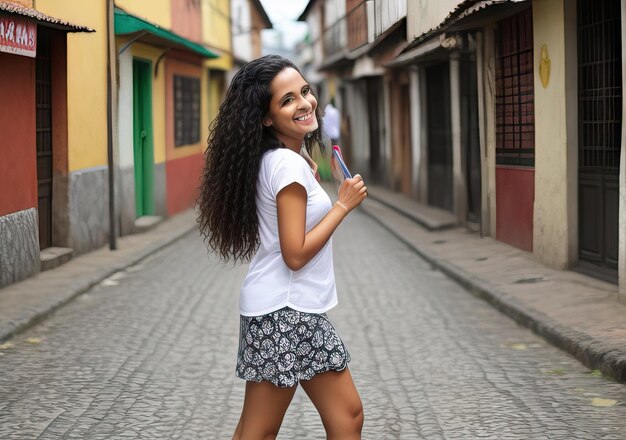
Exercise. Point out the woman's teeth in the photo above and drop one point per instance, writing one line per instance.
(303, 118)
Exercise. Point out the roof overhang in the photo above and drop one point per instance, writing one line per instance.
(470, 14)
(306, 11)
(139, 29)
(41, 18)
(259, 7)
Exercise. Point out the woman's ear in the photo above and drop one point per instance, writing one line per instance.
(267, 122)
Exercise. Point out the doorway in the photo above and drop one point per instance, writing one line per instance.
(143, 150)
(599, 136)
(439, 137)
(43, 81)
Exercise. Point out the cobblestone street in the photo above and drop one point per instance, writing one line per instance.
(150, 354)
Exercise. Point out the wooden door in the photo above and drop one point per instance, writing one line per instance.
(439, 136)
(43, 81)
(470, 138)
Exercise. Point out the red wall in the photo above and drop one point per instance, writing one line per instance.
(187, 19)
(18, 159)
(515, 196)
(183, 180)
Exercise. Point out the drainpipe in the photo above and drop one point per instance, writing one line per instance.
(112, 232)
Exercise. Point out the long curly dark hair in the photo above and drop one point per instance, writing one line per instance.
(237, 141)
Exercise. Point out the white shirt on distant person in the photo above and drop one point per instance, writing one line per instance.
(332, 122)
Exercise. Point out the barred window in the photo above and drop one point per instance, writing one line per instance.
(186, 110)
(515, 112)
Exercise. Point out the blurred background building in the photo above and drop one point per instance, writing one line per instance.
(170, 64)
(506, 115)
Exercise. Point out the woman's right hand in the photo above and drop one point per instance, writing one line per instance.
(352, 192)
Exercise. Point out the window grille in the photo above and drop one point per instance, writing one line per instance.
(600, 85)
(515, 112)
(186, 110)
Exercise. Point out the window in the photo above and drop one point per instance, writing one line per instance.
(186, 110)
(515, 112)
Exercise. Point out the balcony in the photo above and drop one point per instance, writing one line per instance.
(335, 37)
(357, 23)
(387, 13)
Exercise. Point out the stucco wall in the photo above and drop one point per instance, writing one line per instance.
(423, 15)
(622, 179)
(155, 11)
(186, 18)
(216, 23)
(86, 75)
(555, 139)
(18, 160)
(242, 24)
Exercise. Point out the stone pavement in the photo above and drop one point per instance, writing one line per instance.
(149, 353)
(27, 302)
(575, 312)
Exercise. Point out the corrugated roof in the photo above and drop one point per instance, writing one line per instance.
(44, 19)
(462, 10)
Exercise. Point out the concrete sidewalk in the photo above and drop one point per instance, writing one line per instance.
(27, 302)
(577, 313)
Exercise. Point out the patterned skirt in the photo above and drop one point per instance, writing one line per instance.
(287, 346)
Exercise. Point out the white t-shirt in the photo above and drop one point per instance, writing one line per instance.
(270, 285)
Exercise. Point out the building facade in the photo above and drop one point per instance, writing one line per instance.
(41, 171)
(168, 63)
(506, 114)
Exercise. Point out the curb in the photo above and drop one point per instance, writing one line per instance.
(589, 351)
(83, 286)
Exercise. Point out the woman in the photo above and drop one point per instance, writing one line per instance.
(260, 199)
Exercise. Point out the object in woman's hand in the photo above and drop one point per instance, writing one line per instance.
(340, 170)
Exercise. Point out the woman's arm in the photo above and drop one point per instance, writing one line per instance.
(297, 246)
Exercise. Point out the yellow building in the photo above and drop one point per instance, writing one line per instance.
(162, 103)
(160, 107)
(84, 188)
(216, 34)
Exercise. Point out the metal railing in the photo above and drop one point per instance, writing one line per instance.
(354, 29)
(335, 37)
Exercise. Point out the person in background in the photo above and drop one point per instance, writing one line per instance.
(260, 201)
(332, 122)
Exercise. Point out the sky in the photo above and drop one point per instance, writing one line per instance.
(284, 14)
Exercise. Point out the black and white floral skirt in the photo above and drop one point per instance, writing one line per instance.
(286, 346)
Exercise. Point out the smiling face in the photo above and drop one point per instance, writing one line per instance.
(292, 108)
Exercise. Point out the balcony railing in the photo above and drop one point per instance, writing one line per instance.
(364, 21)
(335, 37)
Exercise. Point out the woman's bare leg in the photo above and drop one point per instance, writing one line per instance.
(263, 410)
(334, 395)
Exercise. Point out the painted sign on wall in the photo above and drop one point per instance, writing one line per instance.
(18, 36)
